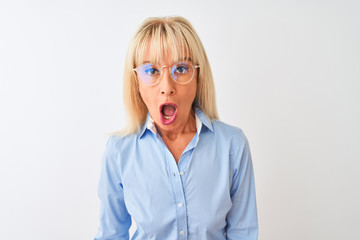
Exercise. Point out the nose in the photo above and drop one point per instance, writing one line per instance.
(167, 85)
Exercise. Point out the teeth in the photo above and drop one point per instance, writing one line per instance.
(167, 117)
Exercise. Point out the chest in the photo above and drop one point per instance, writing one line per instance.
(177, 146)
(193, 193)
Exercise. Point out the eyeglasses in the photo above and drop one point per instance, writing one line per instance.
(181, 72)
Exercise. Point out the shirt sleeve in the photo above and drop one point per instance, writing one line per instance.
(242, 222)
(115, 220)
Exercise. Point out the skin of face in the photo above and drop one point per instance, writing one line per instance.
(168, 91)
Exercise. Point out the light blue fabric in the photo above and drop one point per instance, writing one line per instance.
(208, 195)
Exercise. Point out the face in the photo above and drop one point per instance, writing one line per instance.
(168, 102)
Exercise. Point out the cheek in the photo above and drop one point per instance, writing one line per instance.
(147, 98)
(192, 92)
(191, 96)
(144, 95)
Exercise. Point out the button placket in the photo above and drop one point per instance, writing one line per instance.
(178, 191)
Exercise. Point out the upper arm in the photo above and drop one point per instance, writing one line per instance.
(242, 218)
(115, 220)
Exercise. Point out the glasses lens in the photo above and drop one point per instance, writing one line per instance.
(182, 72)
(149, 73)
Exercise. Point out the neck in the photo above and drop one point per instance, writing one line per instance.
(189, 126)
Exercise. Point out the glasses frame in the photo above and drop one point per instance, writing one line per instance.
(194, 66)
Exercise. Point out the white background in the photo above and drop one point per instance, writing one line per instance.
(286, 72)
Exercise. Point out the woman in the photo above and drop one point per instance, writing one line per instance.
(178, 171)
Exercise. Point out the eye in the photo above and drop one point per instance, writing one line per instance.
(182, 69)
(151, 70)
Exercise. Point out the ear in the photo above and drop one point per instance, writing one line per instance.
(195, 102)
(136, 82)
(197, 75)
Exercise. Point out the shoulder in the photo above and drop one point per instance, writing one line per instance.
(119, 148)
(118, 143)
(232, 138)
(228, 131)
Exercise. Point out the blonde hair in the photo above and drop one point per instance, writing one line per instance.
(174, 34)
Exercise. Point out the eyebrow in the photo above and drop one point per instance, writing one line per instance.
(180, 60)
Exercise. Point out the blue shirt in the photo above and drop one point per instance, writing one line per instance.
(208, 195)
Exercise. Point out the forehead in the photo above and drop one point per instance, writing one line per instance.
(162, 51)
(154, 54)
(164, 59)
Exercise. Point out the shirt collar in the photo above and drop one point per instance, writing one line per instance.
(200, 118)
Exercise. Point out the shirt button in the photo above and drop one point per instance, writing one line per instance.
(180, 204)
(182, 232)
(181, 173)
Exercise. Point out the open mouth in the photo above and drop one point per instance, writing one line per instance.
(168, 113)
